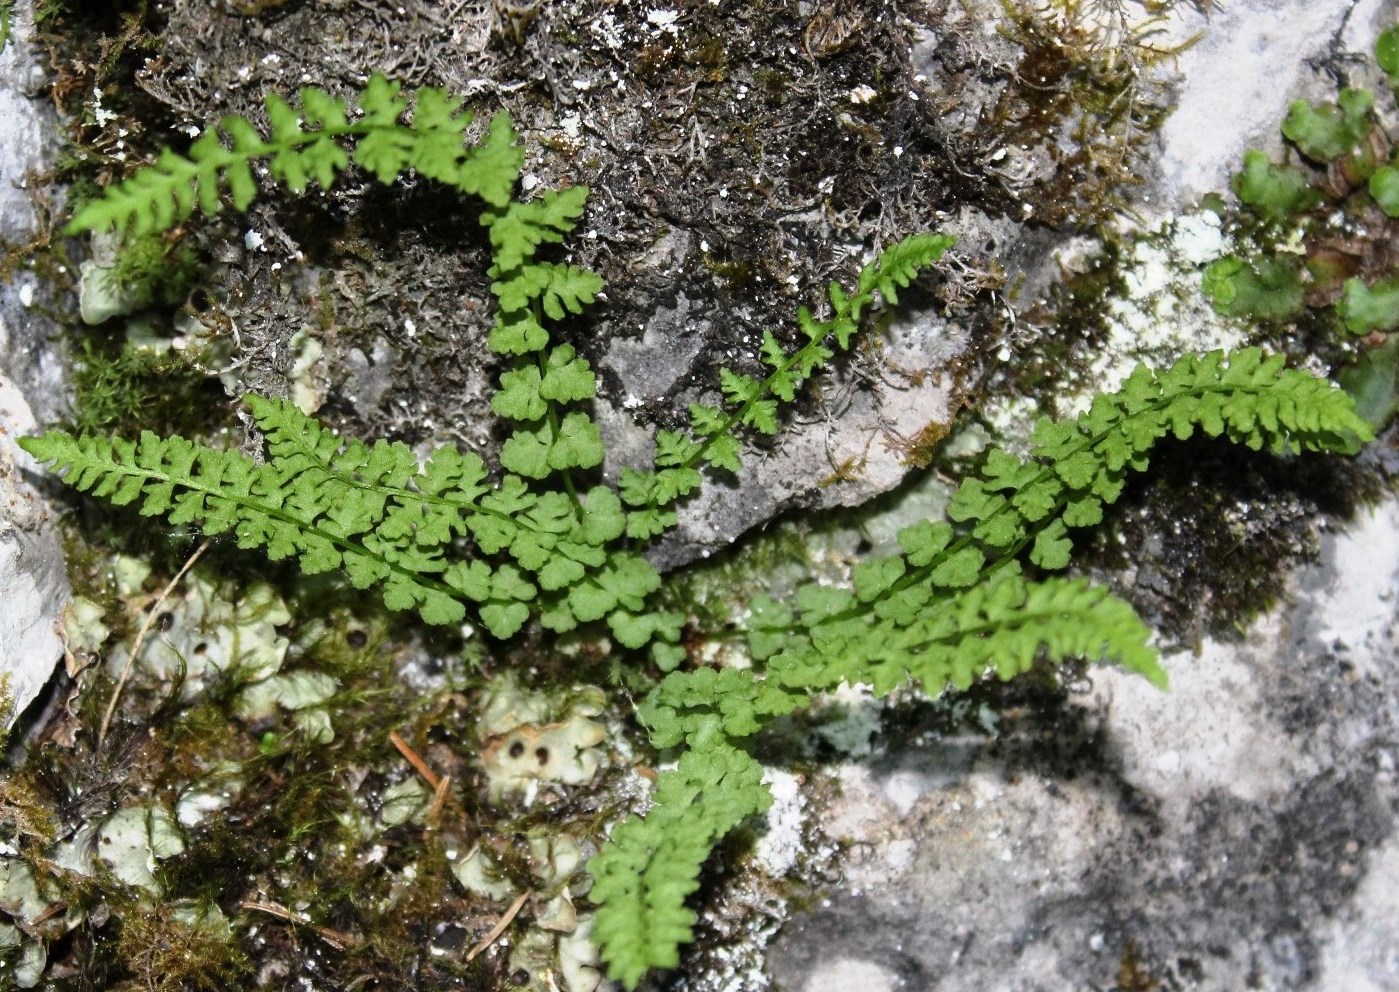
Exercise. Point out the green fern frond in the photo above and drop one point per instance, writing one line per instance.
(650, 866)
(375, 513)
(309, 142)
(715, 432)
(1076, 466)
(954, 604)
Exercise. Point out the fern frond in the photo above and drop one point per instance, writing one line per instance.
(1002, 624)
(715, 432)
(315, 141)
(650, 866)
(1076, 466)
(285, 511)
(522, 227)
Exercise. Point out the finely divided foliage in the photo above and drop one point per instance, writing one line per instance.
(545, 541)
(956, 602)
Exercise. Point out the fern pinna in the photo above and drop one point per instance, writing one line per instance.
(546, 541)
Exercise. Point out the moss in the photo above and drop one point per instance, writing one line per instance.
(1087, 94)
(121, 389)
(166, 947)
(714, 591)
(1072, 324)
(1238, 522)
(7, 709)
(920, 450)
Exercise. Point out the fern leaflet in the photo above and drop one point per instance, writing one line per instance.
(650, 866)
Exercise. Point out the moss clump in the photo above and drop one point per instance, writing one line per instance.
(121, 389)
(1237, 524)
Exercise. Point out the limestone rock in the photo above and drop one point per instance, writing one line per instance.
(1236, 832)
(32, 573)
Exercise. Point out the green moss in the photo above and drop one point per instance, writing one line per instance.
(7, 709)
(122, 389)
(713, 591)
(157, 269)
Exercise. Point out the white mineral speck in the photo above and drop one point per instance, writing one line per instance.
(862, 94)
(778, 849)
(26, 295)
(663, 19)
(252, 240)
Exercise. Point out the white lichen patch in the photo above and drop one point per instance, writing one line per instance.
(480, 875)
(556, 952)
(781, 844)
(850, 719)
(1159, 314)
(132, 842)
(1163, 314)
(200, 635)
(306, 392)
(403, 802)
(101, 293)
(532, 738)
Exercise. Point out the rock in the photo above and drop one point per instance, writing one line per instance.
(738, 161)
(32, 571)
(1236, 82)
(1236, 832)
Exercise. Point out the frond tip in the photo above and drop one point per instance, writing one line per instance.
(650, 866)
(315, 140)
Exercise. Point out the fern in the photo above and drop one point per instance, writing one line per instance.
(650, 866)
(955, 604)
(544, 539)
(308, 142)
(713, 439)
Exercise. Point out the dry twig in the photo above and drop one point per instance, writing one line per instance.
(151, 614)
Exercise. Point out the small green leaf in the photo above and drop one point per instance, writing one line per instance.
(1276, 192)
(503, 620)
(1324, 132)
(1387, 53)
(1384, 189)
(922, 541)
(517, 333)
(567, 378)
(1369, 308)
(520, 396)
(959, 570)
(1270, 288)
(578, 445)
(1052, 547)
(723, 453)
(527, 452)
(603, 519)
(872, 579)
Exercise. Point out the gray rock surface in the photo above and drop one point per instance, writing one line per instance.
(33, 579)
(1234, 833)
